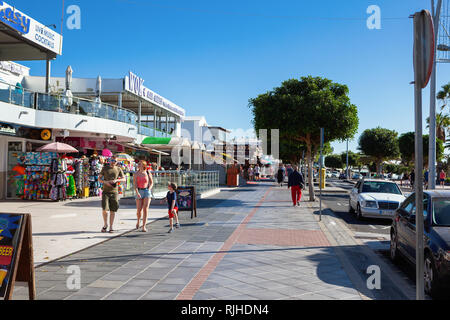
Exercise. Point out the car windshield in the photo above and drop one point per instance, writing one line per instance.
(441, 212)
(380, 187)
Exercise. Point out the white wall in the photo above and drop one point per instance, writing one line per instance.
(55, 120)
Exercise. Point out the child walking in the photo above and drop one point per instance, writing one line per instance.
(173, 206)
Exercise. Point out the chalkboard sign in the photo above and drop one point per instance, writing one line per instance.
(187, 200)
(16, 254)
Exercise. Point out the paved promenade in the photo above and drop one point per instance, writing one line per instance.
(249, 243)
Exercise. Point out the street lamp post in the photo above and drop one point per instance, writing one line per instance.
(432, 137)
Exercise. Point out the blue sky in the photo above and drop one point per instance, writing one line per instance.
(210, 57)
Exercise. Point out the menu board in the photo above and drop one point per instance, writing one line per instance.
(187, 200)
(10, 226)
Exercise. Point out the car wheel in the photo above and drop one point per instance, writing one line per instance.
(359, 215)
(430, 276)
(350, 208)
(394, 247)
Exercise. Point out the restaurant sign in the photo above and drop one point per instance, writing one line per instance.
(30, 28)
(135, 85)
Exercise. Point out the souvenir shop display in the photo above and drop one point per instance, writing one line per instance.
(127, 164)
(81, 176)
(95, 167)
(58, 180)
(71, 190)
(37, 173)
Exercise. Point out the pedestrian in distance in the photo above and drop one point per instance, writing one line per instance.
(280, 175)
(250, 173)
(425, 179)
(296, 183)
(110, 176)
(442, 177)
(173, 205)
(257, 172)
(143, 184)
(289, 170)
(412, 178)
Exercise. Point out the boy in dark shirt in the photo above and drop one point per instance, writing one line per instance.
(172, 204)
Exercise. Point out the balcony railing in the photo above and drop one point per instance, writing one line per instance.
(60, 103)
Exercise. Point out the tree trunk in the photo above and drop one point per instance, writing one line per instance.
(310, 172)
(378, 167)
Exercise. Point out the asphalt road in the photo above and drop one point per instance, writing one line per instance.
(374, 232)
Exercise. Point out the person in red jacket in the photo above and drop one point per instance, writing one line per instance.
(296, 183)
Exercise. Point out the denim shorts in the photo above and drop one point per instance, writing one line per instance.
(145, 193)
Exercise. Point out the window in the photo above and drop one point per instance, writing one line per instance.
(408, 205)
(441, 212)
(380, 187)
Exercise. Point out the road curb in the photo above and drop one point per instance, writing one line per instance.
(405, 288)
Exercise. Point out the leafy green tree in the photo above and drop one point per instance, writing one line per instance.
(406, 144)
(407, 147)
(379, 143)
(353, 159)
(299, 108)
(333, 161)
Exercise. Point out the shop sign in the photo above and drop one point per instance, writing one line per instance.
(135, 84)
(11, 67)
(25, 132)
(30, 28)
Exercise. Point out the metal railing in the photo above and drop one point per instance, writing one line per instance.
(203, 181)
(150, 132)
(17, 95)
(85, 107)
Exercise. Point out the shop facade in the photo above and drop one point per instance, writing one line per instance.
(16, 141)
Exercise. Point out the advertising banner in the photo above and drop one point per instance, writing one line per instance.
(10, 226)
(30, 29)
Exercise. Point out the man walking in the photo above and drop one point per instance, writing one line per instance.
(110, 176)
(296, 183)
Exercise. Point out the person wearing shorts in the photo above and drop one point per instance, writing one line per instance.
(143, 184)
(110, 177)
(172, 205)
(442, 177)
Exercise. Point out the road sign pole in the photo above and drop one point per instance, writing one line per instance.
(424, 48)
(347, 171)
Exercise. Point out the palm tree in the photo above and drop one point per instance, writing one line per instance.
(444, 95)
(442, 125)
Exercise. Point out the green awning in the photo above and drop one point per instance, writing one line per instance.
(156, 140)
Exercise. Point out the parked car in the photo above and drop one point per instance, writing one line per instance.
(375, 198)
(335, 174)
(436, 211)
(342, 176)
(356, 176)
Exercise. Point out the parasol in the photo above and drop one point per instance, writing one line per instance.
(57, 147)
(124, 157)
(107, 153)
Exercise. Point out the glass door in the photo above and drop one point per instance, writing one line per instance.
(14, 185)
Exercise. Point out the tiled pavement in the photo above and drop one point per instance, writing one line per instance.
(248, 243)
